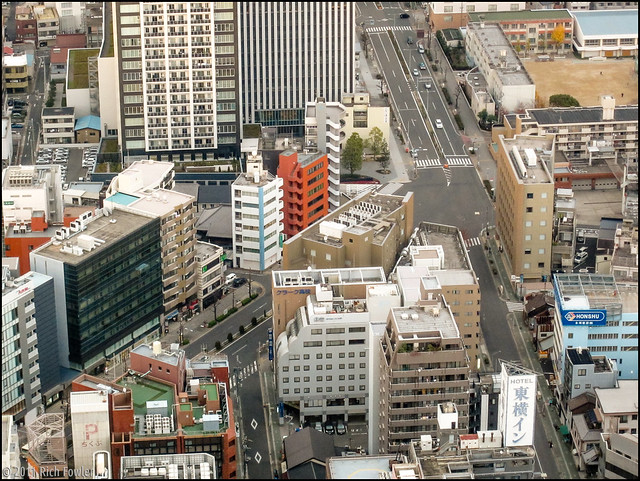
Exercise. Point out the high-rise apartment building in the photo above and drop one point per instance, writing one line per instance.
(177, 70)
(291, 53)
(257, 217)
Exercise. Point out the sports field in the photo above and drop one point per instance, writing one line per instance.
(585, 80)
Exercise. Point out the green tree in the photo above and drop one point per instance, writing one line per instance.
(241, 329)
(563, 100)
(482, 115)
(374, 142)
(352, 153)
(230, 337)
(385, 157)
(49, 102)
(218, 345)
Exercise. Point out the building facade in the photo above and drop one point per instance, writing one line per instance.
(257, 217)
(368, 231)
(107, 272)
(26, 24)
(305, 189)
(291, 53)
(423, 367)
(57, 125)
(606, 33)
(524, 204)
(593, 312)
(210, 278)
(177, 67)
(456, 14)
(507, 80)
(48, 25)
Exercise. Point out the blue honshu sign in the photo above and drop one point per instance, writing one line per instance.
(591, 317)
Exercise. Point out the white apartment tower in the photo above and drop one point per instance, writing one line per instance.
(292, 53)
(177, 69)
(257, 217)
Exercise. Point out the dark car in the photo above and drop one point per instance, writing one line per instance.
(404, 15)
(17, 126)
(19, 103)
(341, 428)
(238, 281)
(329, 428)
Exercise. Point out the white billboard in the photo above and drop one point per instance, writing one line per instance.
(90, 428)
(517, 408)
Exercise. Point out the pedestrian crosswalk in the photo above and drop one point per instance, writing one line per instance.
(458, 160)
(474, 241)
(384, 29)
(451, 161)
(243, 374)
(426, 163)
(515, 306)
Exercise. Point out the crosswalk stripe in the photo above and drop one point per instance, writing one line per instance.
(475, 241)
(425, 163)
(384, 29)
(458, 160)
(515, 306)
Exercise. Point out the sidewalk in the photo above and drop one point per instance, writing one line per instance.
(401, 164)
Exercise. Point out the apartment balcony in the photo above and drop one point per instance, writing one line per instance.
(174, 90)
(333, 168)
(205, 134)
(200, 43)
(332, 136)
(200, 21)
(178, 45)
(335, 125)
(162, 135)
(181, 66)
(158, 113)
(333, 191)
(156, 102)
(198, 65)
(154, 34)
(333, 147)
(154, 68)
(296, 221)
(203, 100)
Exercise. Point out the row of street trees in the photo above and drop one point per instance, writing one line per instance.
(353, 151)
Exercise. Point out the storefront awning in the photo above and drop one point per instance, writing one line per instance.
(172, 314)
(564, 430)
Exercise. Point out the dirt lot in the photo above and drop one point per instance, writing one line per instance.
(585, 80)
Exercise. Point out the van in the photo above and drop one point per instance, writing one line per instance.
(229, 279)
(580, 257)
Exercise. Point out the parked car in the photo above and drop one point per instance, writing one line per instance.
(580, 257)
(229, 279)
(238, 281)
(439, 124)
(17, 126)
(329, 428)
(341, 427)
(318, 426)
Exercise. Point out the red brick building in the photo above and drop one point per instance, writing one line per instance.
(305, 187)
(26, 24)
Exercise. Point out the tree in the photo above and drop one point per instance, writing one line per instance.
(385, 157)
(218, 345)
(563, 100)
(482, 115)
(230, 337)
(241, 329)
(352, 153)
(374, 142)
(557, 36)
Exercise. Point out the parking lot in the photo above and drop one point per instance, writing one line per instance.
(75, 163)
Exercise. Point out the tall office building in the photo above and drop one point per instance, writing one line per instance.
(292, 53)
(176, 69)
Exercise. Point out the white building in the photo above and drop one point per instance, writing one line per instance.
(177, 93)
(57, 125)
(27, 189)
(328, 125)
(70, 14)
(21, 385)
(507, 80)
(324, 358)
(90, 427)
(292, 53)
(142, 188)
(606, 33)
(210, 271)
(257, 217)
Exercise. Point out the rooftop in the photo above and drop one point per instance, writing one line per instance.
(109, 229)
(360, 467)
(57, 111)
(78, 67)
(88, 122)
(28, 176)
(359, 275)
(446, 238)
(145, 389)
(173, 466)
(534, 155)
(581, 115)
(14, 60)
(524, 15)
(586, 291)
(410, 320)
(168, 357)
(623, 399)
(500, 53)
(143, 174)
(161, 202)
(216, 222)
(607, 23)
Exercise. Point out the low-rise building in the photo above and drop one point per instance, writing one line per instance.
(26, 24)
(174, 466)
(585, 372)
(57, 125)
(370, 230)
(15, 73)
(48, 25)
(211, 269)
(619, 458)
(624, 263)
(507, 80)
(606, 33)
(87, 130)
(82, 90)
(533, 31)
(456, 14)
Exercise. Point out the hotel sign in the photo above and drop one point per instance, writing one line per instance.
(591, 317)
(517, 408)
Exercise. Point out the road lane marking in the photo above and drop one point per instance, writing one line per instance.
(238, 350)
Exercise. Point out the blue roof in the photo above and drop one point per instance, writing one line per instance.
(88, 122)
(607, 22)
(123, 199)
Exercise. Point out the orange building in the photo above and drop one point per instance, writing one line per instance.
(20, 239)
(305, 187)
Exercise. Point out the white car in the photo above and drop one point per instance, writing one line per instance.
(229, 279)
(438, 124)
(416, 72)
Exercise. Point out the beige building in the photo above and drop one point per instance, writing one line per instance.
(524, 203)
(144, 188)
(456, 14)
(368, 231)
(423, 374)
(48, 25)
(438, 255)
(290, 288)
